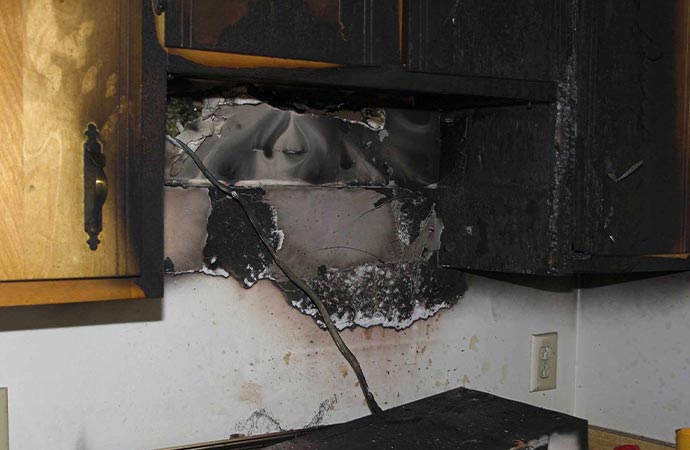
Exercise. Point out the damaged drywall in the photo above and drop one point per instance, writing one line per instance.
(367, 250)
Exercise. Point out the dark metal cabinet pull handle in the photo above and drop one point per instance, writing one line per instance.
(95, 186)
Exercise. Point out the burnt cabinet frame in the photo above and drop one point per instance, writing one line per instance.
(513, 40)
(348, 32)
(633, 148)
(617, 156)
(503, 191)
(146, 174)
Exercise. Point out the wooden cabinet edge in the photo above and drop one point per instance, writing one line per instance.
(234, 60)
(604, 439)
(24, 293)
(240, 61)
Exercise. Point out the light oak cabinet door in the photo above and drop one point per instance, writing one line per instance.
(66, 65)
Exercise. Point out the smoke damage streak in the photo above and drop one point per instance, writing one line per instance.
(325, 317)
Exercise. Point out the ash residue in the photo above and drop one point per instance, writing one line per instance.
(393, 295)
(261, 422)
(232, 245)
(324, 407)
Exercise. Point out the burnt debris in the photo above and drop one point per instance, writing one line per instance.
(393, 295)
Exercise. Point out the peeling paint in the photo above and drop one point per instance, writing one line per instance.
(565, 138)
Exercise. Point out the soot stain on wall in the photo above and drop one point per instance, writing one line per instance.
(395, 231)
(232, 244)
(393, 293)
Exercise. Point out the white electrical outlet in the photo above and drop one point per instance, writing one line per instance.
(544, 362)
(4, 423)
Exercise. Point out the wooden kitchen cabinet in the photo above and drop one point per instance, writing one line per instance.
(564, 124)
(68, 67)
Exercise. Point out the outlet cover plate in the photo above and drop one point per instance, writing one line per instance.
(544, 362)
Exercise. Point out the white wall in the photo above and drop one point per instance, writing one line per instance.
(196, 365)
(633, 360)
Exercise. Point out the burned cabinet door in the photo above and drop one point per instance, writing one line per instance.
(486, 38)
(72, 85)
(634, 130)
(348, 32)
(503, 191)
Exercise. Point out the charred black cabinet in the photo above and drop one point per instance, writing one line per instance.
(500, 191)
(564, 123)
(596, 181)
(633, 145)
(503, 39)
(349, 32)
